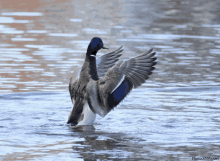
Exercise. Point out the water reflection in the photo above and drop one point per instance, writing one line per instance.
(22, 14)
(174, 121)
(40, 37)
(99, 144)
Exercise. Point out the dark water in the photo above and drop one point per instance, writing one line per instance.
(173, 116)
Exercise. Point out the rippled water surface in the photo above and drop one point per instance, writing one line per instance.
(173, 116)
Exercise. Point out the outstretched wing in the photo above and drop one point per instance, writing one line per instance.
(105, 62)
(119, 81)
(78, 96)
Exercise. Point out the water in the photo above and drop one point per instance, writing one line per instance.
(173, 116)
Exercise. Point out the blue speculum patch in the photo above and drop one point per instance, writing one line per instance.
(121, 91)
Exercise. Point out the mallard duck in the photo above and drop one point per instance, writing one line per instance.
(104, 83)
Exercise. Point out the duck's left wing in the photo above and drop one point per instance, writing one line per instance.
(72, 88)
(108, 92)
(105, 62)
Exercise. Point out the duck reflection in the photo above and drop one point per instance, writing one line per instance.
(98, 144)
(84, 128)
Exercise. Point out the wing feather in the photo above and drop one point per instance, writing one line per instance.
(72, 88)
(122, 78)
(105, 62)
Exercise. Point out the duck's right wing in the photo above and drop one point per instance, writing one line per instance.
(105, 62)
(108, 92)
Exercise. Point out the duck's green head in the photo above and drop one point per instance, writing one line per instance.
(95, 45)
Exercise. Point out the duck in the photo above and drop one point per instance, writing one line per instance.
(104, 83)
